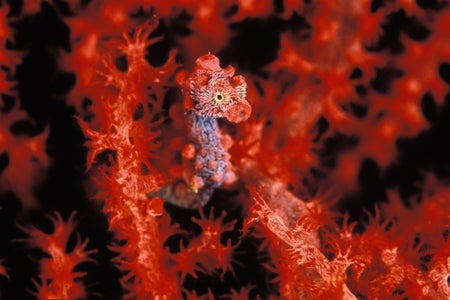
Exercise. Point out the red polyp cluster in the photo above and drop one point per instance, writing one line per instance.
(229, 149)
(127, 176)
(206, 253)
(26, 159)
(57, 279)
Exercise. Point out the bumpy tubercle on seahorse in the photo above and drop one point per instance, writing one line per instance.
(210, 92)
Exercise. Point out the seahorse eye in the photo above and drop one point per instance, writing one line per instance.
(221, 97)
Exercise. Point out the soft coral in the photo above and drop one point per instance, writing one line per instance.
(58, 280)
(127, 127)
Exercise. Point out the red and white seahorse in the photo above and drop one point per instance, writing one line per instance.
(210, 92)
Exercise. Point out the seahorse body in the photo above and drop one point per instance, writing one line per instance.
(210, 92)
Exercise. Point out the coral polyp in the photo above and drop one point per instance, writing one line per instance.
(229, 149)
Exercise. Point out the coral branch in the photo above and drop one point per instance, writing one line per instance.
(25, 153)
(58, 280)
(132, 139)
(206, 253)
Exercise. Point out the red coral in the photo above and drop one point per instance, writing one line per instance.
(3, 270)
(26, 155)
(303, 270)
(349, 113)
(132, 216)
(206, 253)
(58, 280)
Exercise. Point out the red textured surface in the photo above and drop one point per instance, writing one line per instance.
(340, 185)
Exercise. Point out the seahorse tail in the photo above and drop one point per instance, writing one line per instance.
(181, 194)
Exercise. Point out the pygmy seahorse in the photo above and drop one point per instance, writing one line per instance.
(209, 92)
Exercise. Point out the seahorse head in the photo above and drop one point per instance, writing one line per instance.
(212, 91)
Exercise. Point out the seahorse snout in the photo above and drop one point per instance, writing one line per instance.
(238, 112)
